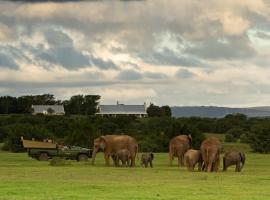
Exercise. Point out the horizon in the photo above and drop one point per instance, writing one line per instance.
(177, 53)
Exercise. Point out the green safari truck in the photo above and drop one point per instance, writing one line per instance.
(44, 151)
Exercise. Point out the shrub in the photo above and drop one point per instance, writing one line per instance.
(259, 138)
(244, 138)
(236, 132)
(28, 131)
(230, 138)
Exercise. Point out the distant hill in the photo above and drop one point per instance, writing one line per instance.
(218, 112)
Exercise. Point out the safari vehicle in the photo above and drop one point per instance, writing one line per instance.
(43, 151)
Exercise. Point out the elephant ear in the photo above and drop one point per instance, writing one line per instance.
(102, 144)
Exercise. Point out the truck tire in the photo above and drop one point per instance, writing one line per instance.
(43, 157)
(82, 158)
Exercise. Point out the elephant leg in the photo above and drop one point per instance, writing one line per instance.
(199, 166)
(225, 168)
(216, 165)
(179, 161)
(224, 164)
(192, 168)
(209, 166)
(132, 161)
(151, 164)
(171, 159)
(187, 165)
(182, 160)
(107, 159)
(204, 166)
(237, 167)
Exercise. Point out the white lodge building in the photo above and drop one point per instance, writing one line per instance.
(121, 109)
(48, 109)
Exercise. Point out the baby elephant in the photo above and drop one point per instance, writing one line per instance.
(122, 155)
(147, 158)
(234, 158)
(191, 158)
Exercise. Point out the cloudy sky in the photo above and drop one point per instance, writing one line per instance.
(174, 52)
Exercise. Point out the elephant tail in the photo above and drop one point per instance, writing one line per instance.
(206, 161)
(137, 152)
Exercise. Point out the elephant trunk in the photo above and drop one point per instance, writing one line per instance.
(94, 157)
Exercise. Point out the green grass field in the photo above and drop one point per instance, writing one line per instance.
(23, 178)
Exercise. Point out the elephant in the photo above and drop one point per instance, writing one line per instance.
(210, 150)
(234, 158)
(110, 144)
(123, 155)
(147, 158)
(191, 158)
(178, 147)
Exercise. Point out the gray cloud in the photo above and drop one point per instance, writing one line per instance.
(184, 74)
(7, 62)
(154, 33)
(262, 35)
(102, 64)
(58, 38)
(223, 48)
(152, 75)
(67, 57)
(129, 75)
(169, 57)
(62, 52)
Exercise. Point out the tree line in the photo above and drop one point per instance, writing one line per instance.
(76, 105)
(152, 133)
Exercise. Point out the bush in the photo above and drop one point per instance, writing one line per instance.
(244, 138)
(230, 138)
(152, 133)
(259, 138)
(28, 131)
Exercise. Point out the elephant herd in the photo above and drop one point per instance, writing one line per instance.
(124, 148)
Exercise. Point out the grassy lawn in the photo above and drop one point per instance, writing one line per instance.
(24, 178)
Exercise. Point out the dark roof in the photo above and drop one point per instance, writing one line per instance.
(122, 109)
(44, 108)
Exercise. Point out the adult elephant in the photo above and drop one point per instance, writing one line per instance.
(111, 144)
(211, 149)
(178, 147)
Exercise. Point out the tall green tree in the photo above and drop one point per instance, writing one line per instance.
(82, 105)
(156, 111)
(166, 111)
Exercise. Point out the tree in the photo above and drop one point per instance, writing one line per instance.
(156, 111)
(7, 105)
(82, 105)
(90, 104)
(153, 111)
(259, 138)
(166, 111)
